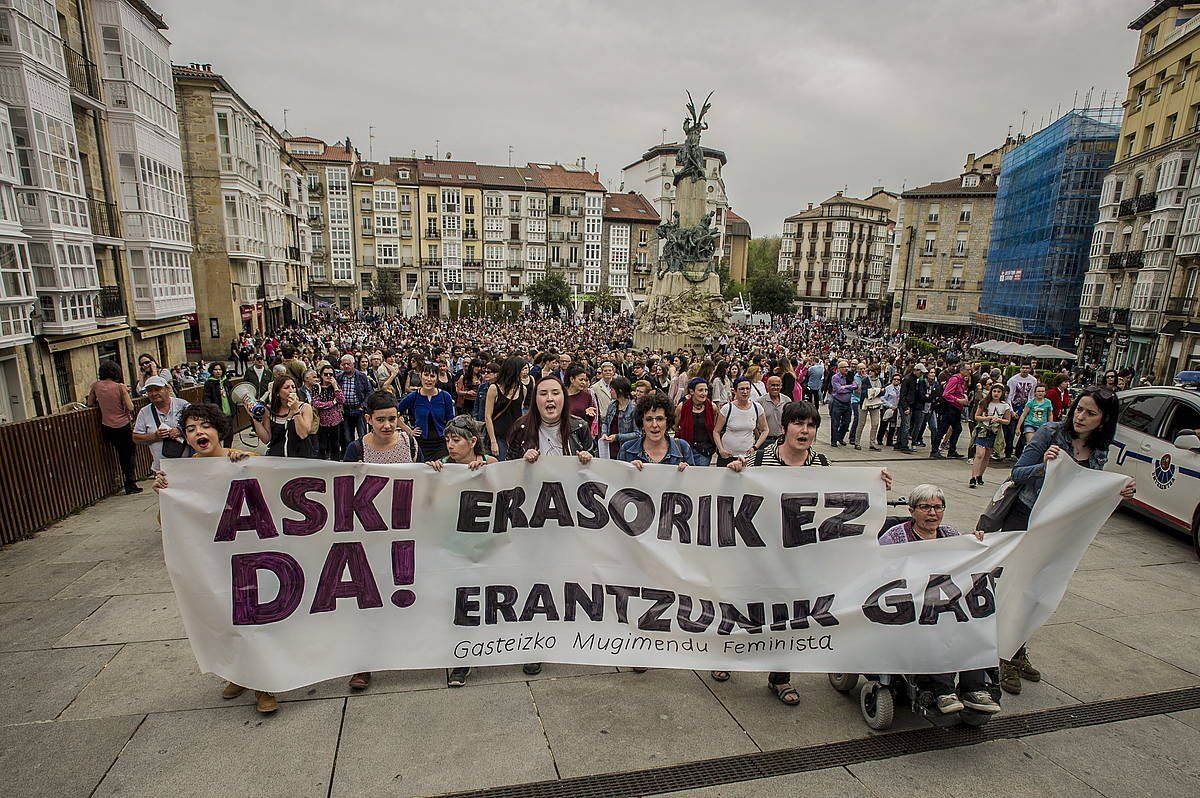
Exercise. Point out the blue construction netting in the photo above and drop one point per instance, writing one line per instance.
(1046, 207)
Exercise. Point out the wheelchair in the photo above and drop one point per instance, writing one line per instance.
(879, 695)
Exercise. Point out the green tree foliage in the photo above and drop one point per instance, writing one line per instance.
(386, 294)
(604, 299)
(763, 255)
(552, 292)
(771, 292)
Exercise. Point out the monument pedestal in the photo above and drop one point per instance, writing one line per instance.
(679, 313)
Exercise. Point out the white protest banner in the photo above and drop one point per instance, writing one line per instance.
(292, 571)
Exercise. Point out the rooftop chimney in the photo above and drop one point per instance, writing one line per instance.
(876, 189)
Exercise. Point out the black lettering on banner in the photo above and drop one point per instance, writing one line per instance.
(652, 620)
(741, 522)
(591, 603)
(589, 495)
(684, 616)
(551, 503)
(901, 609)
(704, 517)
(796, 520)
(753, 621)
(508, 510)
(499, 600)
(643, 510)
(801, 613)
(622, 593)
(935, 604)
(981, 598)
(854, 505)
(674, 511)
(466, 606)
(540, 601)
(474, 507)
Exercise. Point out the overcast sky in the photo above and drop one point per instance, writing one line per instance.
(810, 96)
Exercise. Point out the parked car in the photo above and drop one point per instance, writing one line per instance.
(1158, 444)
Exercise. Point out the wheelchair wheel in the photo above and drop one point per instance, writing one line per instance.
(877, 705)
(843, 682)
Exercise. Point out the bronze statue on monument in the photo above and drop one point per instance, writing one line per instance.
(685, 301)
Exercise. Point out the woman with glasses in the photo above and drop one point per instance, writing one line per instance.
(148, 367)
(1084, 435)
(327, 400)
(927, 504)
(741, 425)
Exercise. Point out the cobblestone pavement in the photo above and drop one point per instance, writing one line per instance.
(100, 695)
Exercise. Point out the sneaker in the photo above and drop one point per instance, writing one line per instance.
(953, 455)
(978, 480)
(1023, 666)
(132, 489)
(981, 701)
(948, 704)
(918, 443)
(1010, 678)
(972, 483)
(232, 691)
(458, 677)
(265, 703)
(859, 448)
(936, 456)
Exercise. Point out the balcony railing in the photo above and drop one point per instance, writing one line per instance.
(104, 218)
(574, 237)
(1120, 316)
(954, 285)
(82, 74)
(1181, 305)
(1139, 204)
(431, 261)
(558, 235)
(558, 210)
(574, 211)
(319, 252)
(824, 274)
(1103, 315)
(1126, 260)
(432, 234)
(316, 221)
(470, 234)
(811, 274)
(110, 302)
(293, 253)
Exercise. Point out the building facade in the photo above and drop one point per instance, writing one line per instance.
(575, 214)
(245, 213)
(333, 274)
(944, 247)
(1139, 302)
(735, 254)
(386, 211)
(838, 254)
(99, 195)
(630, 251)
(1042, 227)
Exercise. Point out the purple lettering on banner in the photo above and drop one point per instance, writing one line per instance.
(348, 503)
(247, 609)
(404, 569)
(294, 498)
(249, 493)
(402, 495)
(361, 585)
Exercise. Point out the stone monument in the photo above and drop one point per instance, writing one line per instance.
(685, 301)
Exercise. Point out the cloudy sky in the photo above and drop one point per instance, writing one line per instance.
(810, 96)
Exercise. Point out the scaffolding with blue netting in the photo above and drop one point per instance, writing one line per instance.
(1046, 207)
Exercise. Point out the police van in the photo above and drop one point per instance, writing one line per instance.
(1157, 444)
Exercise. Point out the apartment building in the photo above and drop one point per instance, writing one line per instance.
(450, 199)
(630, 251)
(838, 254)
(514, 203)
(333, 278)
(575, 218)
(385, 202)
(108, 242)
(1139, 306)
(944, 246)
(244, 212)
(18, 297)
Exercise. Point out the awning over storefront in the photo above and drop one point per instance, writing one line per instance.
(298, 302)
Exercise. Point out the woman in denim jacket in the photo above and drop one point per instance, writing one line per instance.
(1084, 435)
(618, 426)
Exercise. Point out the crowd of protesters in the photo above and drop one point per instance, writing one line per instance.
(473, 391)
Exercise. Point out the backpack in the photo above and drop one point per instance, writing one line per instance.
(935, 397)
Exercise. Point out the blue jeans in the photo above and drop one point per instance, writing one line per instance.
(354, 426)
(701, 459)
(854, 422)
(839, 418)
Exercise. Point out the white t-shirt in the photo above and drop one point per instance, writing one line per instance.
(738, 434)
(997, 409)
(145, 424)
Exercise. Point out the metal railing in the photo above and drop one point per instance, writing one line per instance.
(1120, 316)
(104, 218)
(82, 74)
(1181, 305)
(110, 302)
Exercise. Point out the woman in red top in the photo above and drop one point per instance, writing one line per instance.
(111, 395)
(1060, 396)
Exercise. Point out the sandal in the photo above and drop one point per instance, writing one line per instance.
(720, 676)
(785, 693)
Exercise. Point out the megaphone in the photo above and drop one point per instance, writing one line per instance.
(242, 393)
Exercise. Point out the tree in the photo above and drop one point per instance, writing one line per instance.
(771, 292)
(386, 293)
(604, 299)
(551, 292)
(763, 255)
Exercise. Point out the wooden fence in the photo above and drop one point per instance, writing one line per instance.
(57, 465)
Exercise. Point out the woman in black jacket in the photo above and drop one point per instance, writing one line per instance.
(218, 391)
(548, 428)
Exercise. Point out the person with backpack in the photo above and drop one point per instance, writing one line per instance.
(741, 425)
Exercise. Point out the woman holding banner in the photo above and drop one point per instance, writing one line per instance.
(800, 422)
(548, 428)
(1084, 434)
(655, 415)
(464, 446)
